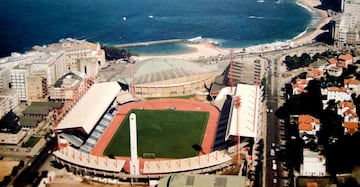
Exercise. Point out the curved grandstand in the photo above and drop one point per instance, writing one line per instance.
(87, 139)
(169, 77)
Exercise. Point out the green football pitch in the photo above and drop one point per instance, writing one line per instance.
(161, 133)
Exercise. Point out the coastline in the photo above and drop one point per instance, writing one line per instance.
(207, 50)
(309, 36)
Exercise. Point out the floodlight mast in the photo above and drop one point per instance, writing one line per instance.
(134, 162)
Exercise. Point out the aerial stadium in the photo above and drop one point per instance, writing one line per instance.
(173, 135)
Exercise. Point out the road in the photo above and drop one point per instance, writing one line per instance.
(32, 169)
(272, 128)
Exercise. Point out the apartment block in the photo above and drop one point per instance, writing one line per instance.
(68, 86)
(4, 78)
(37, 87)
(19, 81)
(76, 50)
(9, 100)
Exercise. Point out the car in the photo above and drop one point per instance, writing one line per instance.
(274, 180)
(272, 152)
(274, 167)
(273, 162)
(275, 174)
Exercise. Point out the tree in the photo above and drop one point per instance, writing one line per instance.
(21, 164)
(305, 60)
(14, 171)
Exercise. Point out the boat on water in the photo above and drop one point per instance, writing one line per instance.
(151, 17)
(252, 17)
(278, 1)
(124, 18)
(260, 1)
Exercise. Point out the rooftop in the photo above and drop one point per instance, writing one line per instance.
(158, 69)
(242, 120)
(202, 180)
(86, 113)
(41, 108)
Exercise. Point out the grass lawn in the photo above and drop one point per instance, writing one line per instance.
(167, 133)
(31, 142)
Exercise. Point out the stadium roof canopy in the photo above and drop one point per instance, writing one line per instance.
(243, 120)
(87, 112)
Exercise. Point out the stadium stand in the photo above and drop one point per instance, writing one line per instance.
(186, 164)
(76, 157)
(84, 116)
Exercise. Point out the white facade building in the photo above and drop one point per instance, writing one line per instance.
(338, 94)
(4, 78)
(18, 80)
(9, 100)
(10, 138)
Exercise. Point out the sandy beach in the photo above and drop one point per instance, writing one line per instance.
(207, 50)
(201, 50)
(324, 19)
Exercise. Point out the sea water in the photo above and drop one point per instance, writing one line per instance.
(232, 23)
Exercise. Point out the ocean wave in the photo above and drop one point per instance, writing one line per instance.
(256, 17)
(301, 34)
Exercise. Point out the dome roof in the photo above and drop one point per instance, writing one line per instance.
(153, 70)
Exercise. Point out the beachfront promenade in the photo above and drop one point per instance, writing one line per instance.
(150, 43)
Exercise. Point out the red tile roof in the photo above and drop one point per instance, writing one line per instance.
(305, 127)
(350, 113)
(337, 89)
(348, 104)
(351, 125)
(334, 68)
(305, 122)
(311, 184)
(306, 119)
(351, 81)
(332, 60)
(345, 57)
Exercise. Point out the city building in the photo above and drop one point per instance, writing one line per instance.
(344, 60)
(313, 164)
(9, 100)
(76, 50)
(347, 111)
(299, 86)
(67, 86)
(194, 180)
(4, 78)
(346, 27)
(352, 85)
(19, 81)
(308, 124)
(10, 129)
(37, 88)
(338, 94)
(38, 112)
(90, 67)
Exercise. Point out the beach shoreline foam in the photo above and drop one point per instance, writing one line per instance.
(207, 50)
